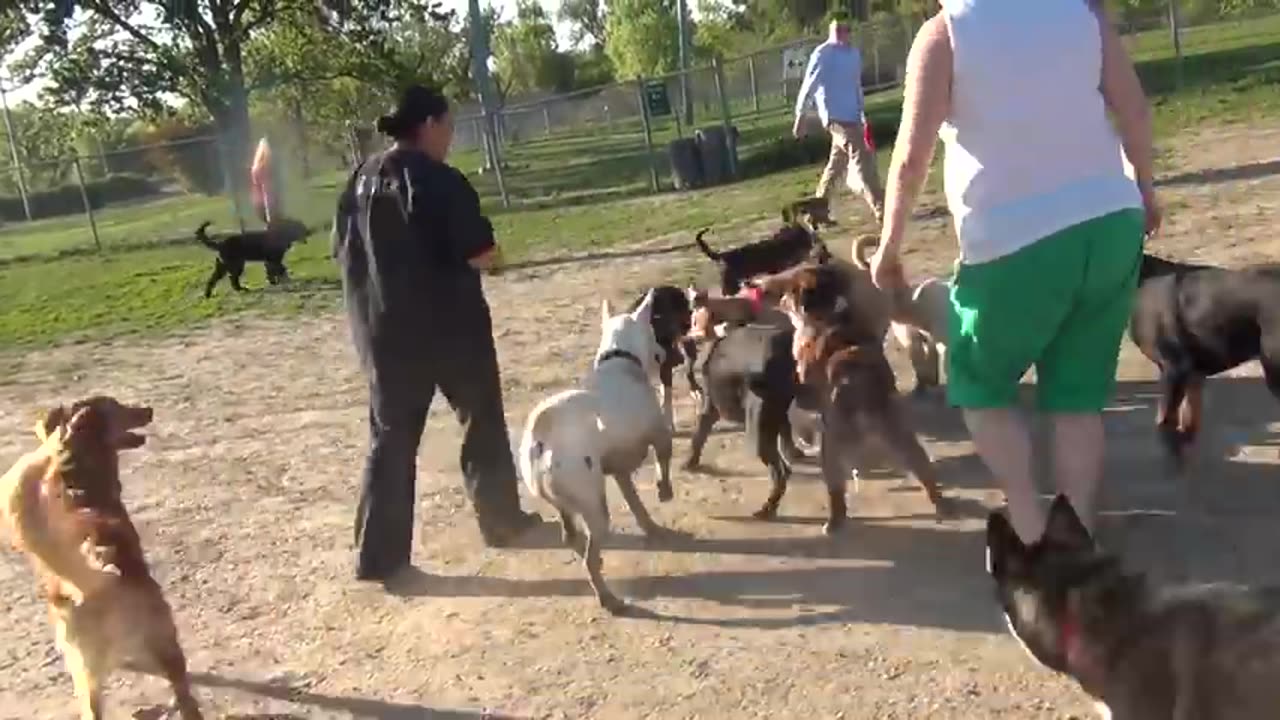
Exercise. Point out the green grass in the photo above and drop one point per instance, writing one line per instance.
(581, 192)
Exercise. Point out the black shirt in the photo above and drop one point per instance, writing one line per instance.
(405, 227)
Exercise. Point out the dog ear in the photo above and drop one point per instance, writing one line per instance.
(605, 311)
(52, 420)
(644, 311)
(1064, 526)
(1004, 547)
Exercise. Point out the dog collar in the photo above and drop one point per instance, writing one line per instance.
(755, 295)
(617, 353)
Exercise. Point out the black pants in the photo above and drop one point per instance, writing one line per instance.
(466, 372)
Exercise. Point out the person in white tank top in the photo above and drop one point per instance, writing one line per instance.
(1050, 222)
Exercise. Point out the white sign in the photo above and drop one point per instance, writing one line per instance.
(794, 61)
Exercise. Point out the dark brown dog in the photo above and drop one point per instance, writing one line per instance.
(795, 242)
(859, 402)
(64, 509)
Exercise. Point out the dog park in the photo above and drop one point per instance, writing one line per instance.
(244, 494)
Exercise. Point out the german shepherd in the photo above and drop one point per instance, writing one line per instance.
(1209, 652)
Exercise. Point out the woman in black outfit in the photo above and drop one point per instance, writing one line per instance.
(411, 243)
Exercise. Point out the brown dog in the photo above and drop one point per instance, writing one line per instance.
(63, 506)
(713, 314)
(858, 399)
(918, 319)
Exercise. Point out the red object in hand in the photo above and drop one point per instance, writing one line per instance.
(866, 135)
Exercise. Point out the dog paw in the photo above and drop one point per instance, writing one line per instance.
(665, 493)
(945, 508)
(659, 534)
(832, 526)
(616, 606)
(768, 512)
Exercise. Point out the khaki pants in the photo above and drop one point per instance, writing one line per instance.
(847, 147)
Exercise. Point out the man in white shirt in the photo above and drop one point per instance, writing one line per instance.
(833, 79)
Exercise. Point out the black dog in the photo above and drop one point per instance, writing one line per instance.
(750, 376)
(672, 318)
(266, 246)
(1195, 321)
(794, 243)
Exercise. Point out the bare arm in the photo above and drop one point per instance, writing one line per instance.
(1122, 92)
(926, 103)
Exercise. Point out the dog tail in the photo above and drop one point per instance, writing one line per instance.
(204, 238)
(704, 247)
(862, 250)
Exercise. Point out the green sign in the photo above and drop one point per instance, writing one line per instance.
(657, 99)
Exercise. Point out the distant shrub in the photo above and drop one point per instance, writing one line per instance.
(66, 199)
(187, 153)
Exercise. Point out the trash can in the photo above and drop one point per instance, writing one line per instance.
(715, 147)
(686, 164)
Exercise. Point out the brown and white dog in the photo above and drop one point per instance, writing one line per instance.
(918, 319)
(62, 505)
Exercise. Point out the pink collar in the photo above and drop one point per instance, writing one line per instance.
(755, 295)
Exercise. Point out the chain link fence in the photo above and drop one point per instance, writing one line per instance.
(598, 144)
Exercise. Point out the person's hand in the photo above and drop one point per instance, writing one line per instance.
(886, 268)
(798, 128)
(1154, 215)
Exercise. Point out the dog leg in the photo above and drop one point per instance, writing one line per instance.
(647, 525)
(706, 421)
(772, 435)
(597, 530)
(219, 272)
(668, 408)
(662, 460)
(84, 667)
(906, 445)
(835, 473)
(235, 271)
(1173, 391)
(570, 535)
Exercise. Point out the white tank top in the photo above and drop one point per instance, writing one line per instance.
(1029, 148)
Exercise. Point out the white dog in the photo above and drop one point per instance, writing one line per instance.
(574, 438)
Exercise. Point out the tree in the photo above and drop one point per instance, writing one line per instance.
(642, 37)
(526, 53)
(586, 18)
(122, 55)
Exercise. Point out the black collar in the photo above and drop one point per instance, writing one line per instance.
(617, 353)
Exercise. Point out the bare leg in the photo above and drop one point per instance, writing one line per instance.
(1078, 444)
(1004, 443)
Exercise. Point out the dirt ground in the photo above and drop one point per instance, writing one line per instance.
(245, 493)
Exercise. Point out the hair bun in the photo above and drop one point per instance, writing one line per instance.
(388, 125)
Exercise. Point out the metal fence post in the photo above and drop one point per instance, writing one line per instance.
(88, 206)
(648, 133)
(227, 181)
(755, 85)
(546, 119)
(731, 147)
(491, 140)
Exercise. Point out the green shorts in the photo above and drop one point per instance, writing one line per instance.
(1060, 304)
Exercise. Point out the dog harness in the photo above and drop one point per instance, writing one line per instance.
(755, 295)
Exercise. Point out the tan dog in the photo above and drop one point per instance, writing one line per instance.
(860, 406)
(712, 315)
(63, 507)
(918, 319)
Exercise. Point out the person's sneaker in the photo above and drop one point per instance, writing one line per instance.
(504, 533)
